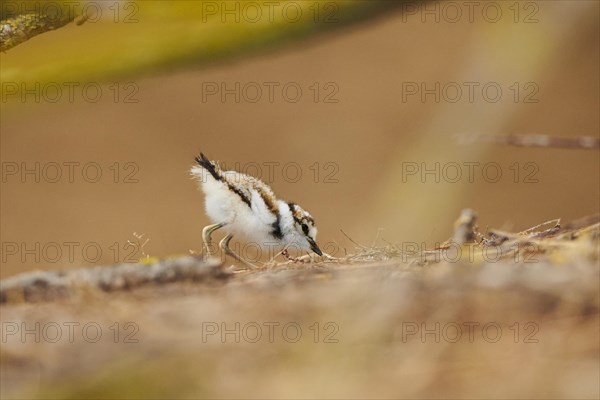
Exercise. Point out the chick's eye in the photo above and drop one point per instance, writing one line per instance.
(305, 229)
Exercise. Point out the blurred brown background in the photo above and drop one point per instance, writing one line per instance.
(367, 134)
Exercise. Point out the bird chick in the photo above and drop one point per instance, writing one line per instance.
(246, 206)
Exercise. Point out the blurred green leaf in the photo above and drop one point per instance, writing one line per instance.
(121, 39)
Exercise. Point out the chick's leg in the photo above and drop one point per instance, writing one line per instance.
(224, 245)
(206, 236)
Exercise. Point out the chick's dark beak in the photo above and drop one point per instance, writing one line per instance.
(313, 246)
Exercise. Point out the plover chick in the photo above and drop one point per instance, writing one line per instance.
(246, 206)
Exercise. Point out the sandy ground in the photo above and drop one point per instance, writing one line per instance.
(451, 327)
(384, 331)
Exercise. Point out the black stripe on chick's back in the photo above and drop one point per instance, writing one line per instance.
(212, 169)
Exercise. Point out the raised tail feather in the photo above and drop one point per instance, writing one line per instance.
(208, 165)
